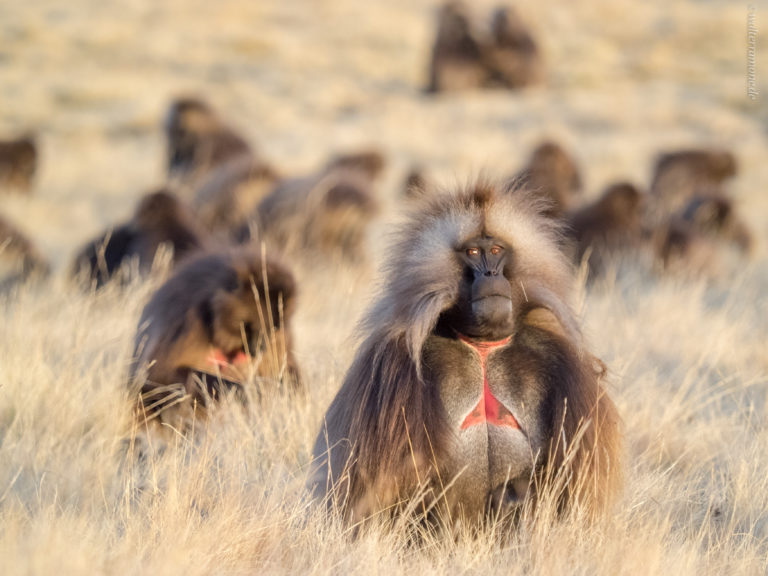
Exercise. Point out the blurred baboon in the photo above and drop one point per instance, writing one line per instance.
(611, 225)
(473, 388)
(680, 175)
(457, 55)
(326, 215)
(691, 238)
(198, 140)
(18, 163)
(160, 219)
(19, 257)
(231, 193)
(417, 183)
(220, 316)
(553, 173)
(513, 57)
(369, 163)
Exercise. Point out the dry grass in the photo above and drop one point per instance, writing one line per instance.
(688, 358)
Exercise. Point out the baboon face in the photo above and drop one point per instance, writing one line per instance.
(220, 318)
(244, 310)
(472, 371)
(486, 304)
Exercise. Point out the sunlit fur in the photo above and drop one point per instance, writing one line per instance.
(385, 431)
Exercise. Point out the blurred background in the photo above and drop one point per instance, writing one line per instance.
(300, 80)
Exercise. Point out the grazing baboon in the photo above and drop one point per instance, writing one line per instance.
(231, 193)
(198, 140)
(19, 257)
(609, 226)
(457, 55)
(513, 57)
(219, 316)
(552, 173)
(678, 176)
(18, 163)
(160, 219)
(690, 239)
(473, 389)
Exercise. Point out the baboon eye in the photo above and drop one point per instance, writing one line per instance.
(473, 251)
(496, 250)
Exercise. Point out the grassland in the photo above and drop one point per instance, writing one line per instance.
(688, 357)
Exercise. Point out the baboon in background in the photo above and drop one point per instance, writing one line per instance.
(679, 176)
(457, 55)
(369, 163)
(473, 376)
(160, 219)
(612, 224)
(416, 183)
(553, 173)
(198, 140)
(513, 56)
(18, 163)
(326, 214)
(690, 239)
(19, 257)
(462, 59)
(230, 197)
(231, 193)
(219, 316)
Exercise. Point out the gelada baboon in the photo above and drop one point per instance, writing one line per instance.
(18, 163)
(513, 55)
(221, 318)
(552, 173)
(231, 193)
(369, 163)
(680, 175)
(473, 387)
(327, 214)
(611, 225)
(198, 140)
(19, 257)
(160, 219)
(417, 183)
(457, 55)
(690, 239)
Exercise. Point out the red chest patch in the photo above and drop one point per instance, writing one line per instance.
(488, 409)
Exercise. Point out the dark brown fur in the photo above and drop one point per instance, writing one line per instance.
(325, 215)
(553, 173)
(417, 183)
(513, 57)
(208, 306)
(230, 194)
(160, 219)
(386, 438)
(690, 239)
(198, 140)
(611, 225)
(18, 163)
(457, 54)
(369, 163)
(681, 175)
